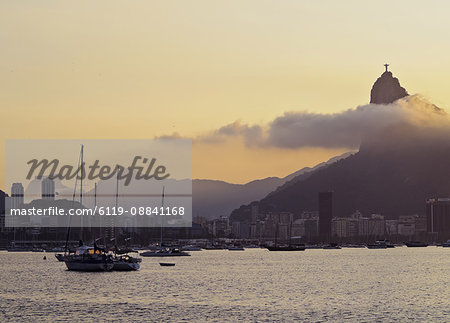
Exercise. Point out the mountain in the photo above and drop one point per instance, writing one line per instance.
(212, 199)
(395, 170)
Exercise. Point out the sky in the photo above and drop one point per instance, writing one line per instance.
(144, 69)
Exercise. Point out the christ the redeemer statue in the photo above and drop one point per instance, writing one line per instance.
(386, 65)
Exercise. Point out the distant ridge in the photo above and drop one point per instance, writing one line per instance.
(395, 170)
(394, 179)
(212, 198)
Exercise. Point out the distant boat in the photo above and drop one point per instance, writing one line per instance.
(381, 244)
(214, 247)
(167, 252)
(23, 249)
(446, 244)
(286, 248)
(167, 264)
(332, 246)
(191, 248)
(416, 244)
(235, 248)
(289, 247)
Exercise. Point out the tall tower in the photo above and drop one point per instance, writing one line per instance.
(17, 194)
(325, 215)
(47, 189)
(438, 218)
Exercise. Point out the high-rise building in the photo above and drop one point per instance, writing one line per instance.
(47, 189)
(325, 215)
(438, 217)
(17, 194)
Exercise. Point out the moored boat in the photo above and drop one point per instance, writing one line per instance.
(286, 248)
(126, 263)
(332, 246)
(235, 248)
(191, 248)
(416, 244)
(381, 244)
(166, 252)
(88, 259)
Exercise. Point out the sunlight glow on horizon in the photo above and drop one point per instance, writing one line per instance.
(142, 69)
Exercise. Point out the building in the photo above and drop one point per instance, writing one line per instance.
(339, 228)
(240, 230)
(17, 195)
(255, 212)
(391, 228)
(48, 189)
(377, 226)
(325, 215)
(311, 228)
(438, 218)
(220, 227)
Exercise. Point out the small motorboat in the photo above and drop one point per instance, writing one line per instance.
(446, 244)
(167, 264)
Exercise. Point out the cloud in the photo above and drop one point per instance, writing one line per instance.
(295, 130)
(348, 128)
(251, 134)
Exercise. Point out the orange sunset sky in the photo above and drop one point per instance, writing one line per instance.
(143, 69)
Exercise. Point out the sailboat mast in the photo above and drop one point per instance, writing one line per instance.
(117, 190)
(73, 200)
(82, 175)
(162, 211)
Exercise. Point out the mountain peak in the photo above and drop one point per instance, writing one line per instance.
(386, 89)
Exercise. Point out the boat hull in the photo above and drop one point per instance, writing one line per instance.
(89, 266)
(126, 266)
(163, 254)
(286, 248)
(416, 244)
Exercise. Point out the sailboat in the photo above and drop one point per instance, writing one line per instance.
(163, 251)
(122, 259)
(85, 258)
(289, 247)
